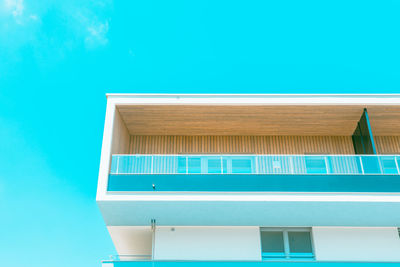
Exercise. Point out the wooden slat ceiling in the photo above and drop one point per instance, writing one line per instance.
(256, 120)
(385, 120)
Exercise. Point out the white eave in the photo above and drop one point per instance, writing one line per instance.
(256, 99)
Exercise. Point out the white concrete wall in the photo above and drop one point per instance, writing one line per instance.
(243, 243)
(131, 240)
(120, 137)
(356, 243)
(207, 243)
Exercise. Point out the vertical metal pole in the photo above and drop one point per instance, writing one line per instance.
(380, 164)
(286, 244)
(326, 164)
(361, 164)
(291, 164)
(152, 166)
(153, 237)
(222, 165)
(256, 159)
(397, 167)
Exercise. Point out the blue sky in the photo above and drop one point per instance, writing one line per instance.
(59, 58)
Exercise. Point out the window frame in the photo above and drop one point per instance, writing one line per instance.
(287, 255)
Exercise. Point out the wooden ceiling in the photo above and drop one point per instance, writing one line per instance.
(256, 120)
(385, 120)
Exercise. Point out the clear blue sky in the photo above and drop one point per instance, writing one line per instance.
(59, 58)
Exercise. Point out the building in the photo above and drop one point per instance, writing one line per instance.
(246, 180)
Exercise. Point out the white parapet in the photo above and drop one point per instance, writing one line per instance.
(207, 243)
(368, 244)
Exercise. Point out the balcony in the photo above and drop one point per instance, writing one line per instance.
(255, 173)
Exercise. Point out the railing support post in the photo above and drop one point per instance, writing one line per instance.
(362, 166)
(256, 159)
(397, 167)
(222, 166)
(117, 164)
(326, 164)
(291, 165)
(153, 237)
(152, 164)
(380, 165)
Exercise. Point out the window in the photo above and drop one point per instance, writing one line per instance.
(241, 165)
(389, 165)
(316, 165)
(286, 243)
(181, 165)
(194, 165)
(216, 165)
(189, 165)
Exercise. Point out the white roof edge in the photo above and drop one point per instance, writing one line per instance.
(254, 99)
(244, 95)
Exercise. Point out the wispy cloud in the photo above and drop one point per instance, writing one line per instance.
(16, 7)
(69, 24)
(33, 17)
(97, 35)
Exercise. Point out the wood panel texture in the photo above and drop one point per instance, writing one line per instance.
(290, 120)
(385, 120)
(241, 145)
(241, 120)
(387, 144)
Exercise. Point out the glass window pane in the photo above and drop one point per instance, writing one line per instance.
(300, 242)
(272, 242)
(315, 165)
(114, 163)
(389, 165)
(214, 166)
(181, 165)
(224, 166)
(241, 166)
(194, 165)
(370, 165)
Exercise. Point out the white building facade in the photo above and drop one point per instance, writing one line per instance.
(233, 180)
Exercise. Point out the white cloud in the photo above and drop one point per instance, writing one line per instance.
(97, 34)
(78, 22)
(33, 17)
(16, 7)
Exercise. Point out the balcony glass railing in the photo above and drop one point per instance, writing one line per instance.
(255, 164)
